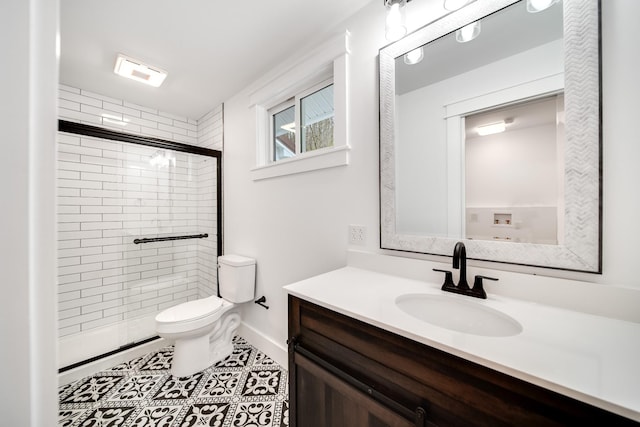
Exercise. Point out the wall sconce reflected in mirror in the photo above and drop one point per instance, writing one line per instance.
(468, 32)
(395, 27)
(414, 57)
(535, 6)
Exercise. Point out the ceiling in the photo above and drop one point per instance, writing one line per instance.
(212, 49)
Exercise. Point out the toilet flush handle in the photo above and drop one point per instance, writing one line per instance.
(261, 301)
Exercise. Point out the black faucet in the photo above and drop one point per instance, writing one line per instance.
(460, 262)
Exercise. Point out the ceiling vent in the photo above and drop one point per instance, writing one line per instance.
(138, 71)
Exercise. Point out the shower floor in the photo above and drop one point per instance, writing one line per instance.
(246, 389)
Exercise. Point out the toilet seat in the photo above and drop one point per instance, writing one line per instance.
(190, 311)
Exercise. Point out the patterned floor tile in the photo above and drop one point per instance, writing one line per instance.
(158, 361)
(128, 366)
(264, 382)
(284, 418)
(179, 388)
(68, 417)
(238, 359)
(263, 360)
(157, 416)
(102, 417)
(92, 389)
(206, 414)
(136, 387)
(221, 384)
(247, 389)
(254, 414)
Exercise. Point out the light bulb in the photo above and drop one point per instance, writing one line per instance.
(395, 29)
(414, 57)
(468, 32)
(534, 6)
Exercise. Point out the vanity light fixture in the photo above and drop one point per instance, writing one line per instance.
(414, 57)
(491, 128)
(468, 32)
(138, 71)
(395, 27)
(535, 6)
(452, 5)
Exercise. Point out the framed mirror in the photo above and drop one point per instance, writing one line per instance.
(490, 133)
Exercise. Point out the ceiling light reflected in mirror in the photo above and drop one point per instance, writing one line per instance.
(289, 127)
(491, 128)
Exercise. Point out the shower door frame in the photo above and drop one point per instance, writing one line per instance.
(98, 132)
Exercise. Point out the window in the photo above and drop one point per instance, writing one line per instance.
(309, 115)
(316, 120)
(283, 132)
(301, 112)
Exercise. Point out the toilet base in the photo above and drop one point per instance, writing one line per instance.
(195, 354)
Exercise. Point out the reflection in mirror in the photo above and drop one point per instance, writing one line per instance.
(514, 172)
(529, 195)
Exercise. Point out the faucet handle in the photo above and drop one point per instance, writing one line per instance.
(478, 288)
(448, 278)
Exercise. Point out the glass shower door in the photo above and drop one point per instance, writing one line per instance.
(138, 232)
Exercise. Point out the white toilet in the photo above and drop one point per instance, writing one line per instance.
(203, 329)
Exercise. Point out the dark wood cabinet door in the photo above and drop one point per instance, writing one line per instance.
(324, 400)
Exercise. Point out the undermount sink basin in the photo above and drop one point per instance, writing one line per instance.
(459, 315)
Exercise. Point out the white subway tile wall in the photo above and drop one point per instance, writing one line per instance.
(109, 194)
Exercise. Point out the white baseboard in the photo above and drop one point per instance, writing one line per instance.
(110, 361)
(265, 344)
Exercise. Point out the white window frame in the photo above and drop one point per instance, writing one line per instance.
(327, 63)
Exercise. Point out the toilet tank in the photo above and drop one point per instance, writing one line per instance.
(236, 278)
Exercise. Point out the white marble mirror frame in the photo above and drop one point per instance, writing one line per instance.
(581, 250)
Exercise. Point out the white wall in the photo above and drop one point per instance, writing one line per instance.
(27, 186)
(296, 226)
(525, 162)
(621, 201)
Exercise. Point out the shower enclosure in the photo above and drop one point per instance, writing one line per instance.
(138, 231)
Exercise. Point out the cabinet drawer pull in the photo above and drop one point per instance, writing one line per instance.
(419, 415)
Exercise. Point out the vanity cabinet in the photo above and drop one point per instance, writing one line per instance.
(344, 372)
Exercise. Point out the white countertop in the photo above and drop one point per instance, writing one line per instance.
(590, 358)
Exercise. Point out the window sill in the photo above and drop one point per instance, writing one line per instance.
(306, 162)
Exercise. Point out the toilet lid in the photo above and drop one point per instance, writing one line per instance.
(191, 310)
